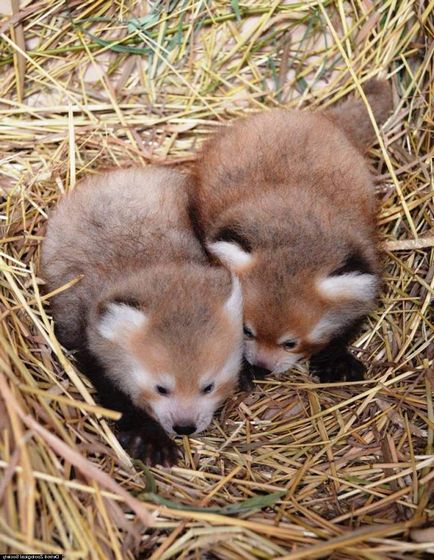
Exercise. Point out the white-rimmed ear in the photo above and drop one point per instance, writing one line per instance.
(234, 304)
(119, 319)
(231, 255)
(351, 286)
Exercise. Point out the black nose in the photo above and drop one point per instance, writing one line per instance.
(184, 430)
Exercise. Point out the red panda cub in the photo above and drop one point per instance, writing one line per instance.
(154, 326)
(285, 200)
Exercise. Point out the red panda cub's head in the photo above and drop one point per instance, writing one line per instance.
(297, 301)
(172, 340)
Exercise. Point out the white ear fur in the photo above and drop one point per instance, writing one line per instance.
(327, 325)
(119, 319)
(360, 287)
(231, 254)
(234, 304)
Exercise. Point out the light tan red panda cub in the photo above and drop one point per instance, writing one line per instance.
(286, 201)
(154, 326)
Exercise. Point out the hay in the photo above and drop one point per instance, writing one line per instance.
(296, 469)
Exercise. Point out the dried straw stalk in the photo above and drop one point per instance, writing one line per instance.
(297, 469)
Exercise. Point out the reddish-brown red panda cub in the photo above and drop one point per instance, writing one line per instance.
(285, 200)
(156, 328)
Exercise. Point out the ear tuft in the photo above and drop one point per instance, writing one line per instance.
(231, 255)
(119, 318)
(352, 286)
(352, 115)
(234, 304)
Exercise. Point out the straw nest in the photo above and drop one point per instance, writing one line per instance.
(295, 469)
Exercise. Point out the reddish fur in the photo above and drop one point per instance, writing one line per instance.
(297, 187)
(128, 235)
(209, 353)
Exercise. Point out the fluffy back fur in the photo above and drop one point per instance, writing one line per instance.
(164, 324)
(286, 201)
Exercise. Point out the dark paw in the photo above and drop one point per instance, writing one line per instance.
(245, 379)
(343, 367)
(248, 374)
(245, 384)
(152, 449)
(259, 372)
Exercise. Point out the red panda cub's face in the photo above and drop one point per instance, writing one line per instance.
(178, 359)
(293, 308)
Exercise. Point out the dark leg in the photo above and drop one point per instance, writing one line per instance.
(331, 365)
(335, 362)
(145, 439)
(245, 379)
(248, 374)
(140, 435)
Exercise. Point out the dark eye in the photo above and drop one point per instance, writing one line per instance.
(162, 390)
(289, 344)
(208, 388)
(247, 332)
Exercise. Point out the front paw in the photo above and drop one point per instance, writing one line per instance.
(248, 374)
(245, 378)
(150, 447)
(342, 367)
